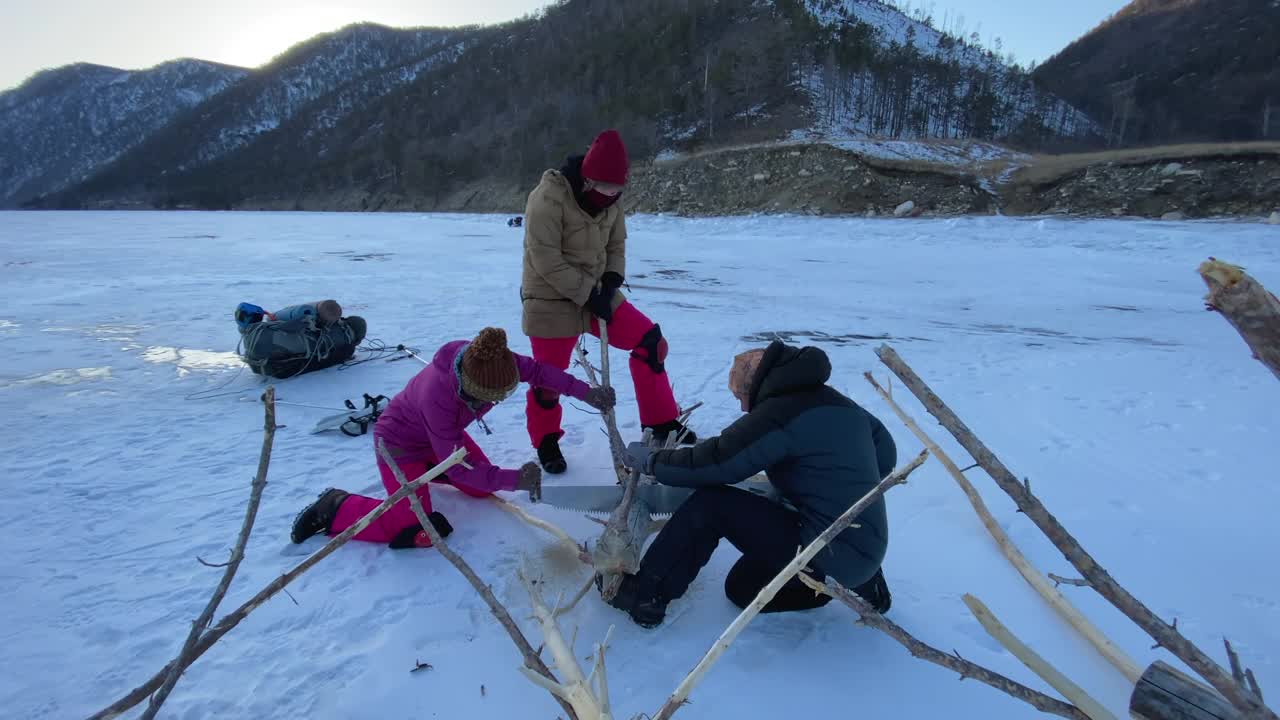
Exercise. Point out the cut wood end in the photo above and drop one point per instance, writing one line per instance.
(1220, 274)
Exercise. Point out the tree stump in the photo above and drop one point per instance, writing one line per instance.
(1165, 693)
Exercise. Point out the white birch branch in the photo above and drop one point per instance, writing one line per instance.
(575, 689)
(1037, 664)
(586, 588)
(531, 659)
(549, 527)
(1034, 578)
(767, 593)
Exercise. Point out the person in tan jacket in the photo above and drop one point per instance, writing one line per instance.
(575, 261)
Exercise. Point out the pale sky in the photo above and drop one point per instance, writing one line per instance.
(132, 34)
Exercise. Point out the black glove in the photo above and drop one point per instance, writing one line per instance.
(531, 481)
(611, 280)
(601, 398)
(600, 302)
(640, 457)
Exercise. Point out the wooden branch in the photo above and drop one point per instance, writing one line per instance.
(1074, 582)
(598, 671)
(562, 609)
(1038, 665)
(229, 621)
(674, 439)
(1165, 693)
(621, 543)
(575, 690)
(1233, 660)
(919, 649)
(616, 447)
(1034, 578)
(1253, 683)
(544, 525)
(1098, 577)
(531, 659)
(1246, 304)
(681, 694)
(187, 655)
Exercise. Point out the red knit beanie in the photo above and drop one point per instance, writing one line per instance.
(606, 161)
(489, 371)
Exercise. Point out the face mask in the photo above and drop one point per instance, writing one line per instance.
(600, 200)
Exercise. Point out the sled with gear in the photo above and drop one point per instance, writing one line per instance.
(297, 339)
(515, 222)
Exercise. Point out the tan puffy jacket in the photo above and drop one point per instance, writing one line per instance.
(566, 251)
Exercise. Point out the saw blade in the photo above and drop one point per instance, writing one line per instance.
(661, 500)
(582, 498)
(604, 499)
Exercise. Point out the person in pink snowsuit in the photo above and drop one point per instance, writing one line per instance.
(427, 421)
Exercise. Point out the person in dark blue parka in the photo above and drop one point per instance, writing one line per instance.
(821, 452)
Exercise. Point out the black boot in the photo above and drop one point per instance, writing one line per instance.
(663, 431)
(876, 592)
(317, 517)
(549, 455)
(647, 608)
(408, 537)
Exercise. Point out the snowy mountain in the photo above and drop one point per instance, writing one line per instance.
(407, 118)
(62, 124)
(894, 26)
(943, 85)
(324, 79)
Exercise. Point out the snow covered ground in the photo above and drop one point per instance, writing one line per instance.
(1079, 350)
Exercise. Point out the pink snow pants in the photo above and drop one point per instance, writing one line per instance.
(400, 516)
(628, 327)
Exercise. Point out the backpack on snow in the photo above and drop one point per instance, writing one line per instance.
(298, 339)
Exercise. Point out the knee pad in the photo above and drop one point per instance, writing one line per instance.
(546, 399)
(652, 350)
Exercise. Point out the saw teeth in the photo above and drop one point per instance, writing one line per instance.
(576, 510)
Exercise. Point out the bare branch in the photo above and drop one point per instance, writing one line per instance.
(618, 549)
(1160, 644)
(1233, 660)
(541, 524)
(1038, 665)
(531, 659)
(674, 439)
(1084, 563)
(576, 689)
(1034, 578)
(232, 619)
(767, 593)
(562, 609)
(1253, 683)
(1059, 580)
(616, 446)
(917, 648)
(188, 652)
